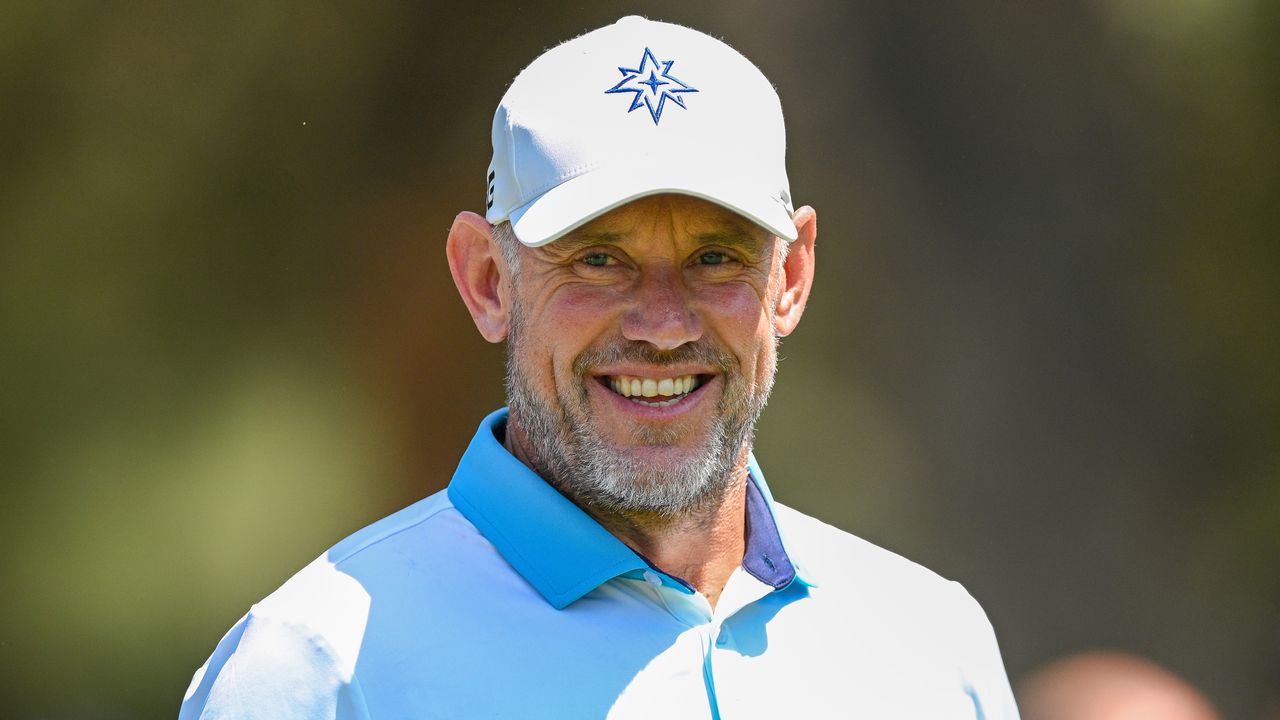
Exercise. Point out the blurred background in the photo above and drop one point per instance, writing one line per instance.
(1041, 356)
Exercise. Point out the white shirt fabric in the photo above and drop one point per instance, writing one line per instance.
(501, 599)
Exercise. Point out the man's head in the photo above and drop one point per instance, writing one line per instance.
(641, 283)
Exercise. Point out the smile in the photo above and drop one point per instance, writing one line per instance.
(653, 392)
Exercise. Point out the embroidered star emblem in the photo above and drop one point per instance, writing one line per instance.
(652, 85)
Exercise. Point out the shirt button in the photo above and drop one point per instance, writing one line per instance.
(652, 578)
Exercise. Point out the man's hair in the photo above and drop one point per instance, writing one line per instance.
(509, 245)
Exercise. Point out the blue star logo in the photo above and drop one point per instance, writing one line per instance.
(652, 84)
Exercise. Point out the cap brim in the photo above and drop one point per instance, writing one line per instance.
(581, 199)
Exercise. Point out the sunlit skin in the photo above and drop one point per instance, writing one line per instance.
(663, 271)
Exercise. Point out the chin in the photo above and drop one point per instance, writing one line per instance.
(665, 459)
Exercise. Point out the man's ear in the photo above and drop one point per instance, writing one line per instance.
(481, 274)
(797, 273)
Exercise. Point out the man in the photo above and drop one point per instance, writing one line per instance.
(608, 545)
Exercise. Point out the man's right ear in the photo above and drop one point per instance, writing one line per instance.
(481, 274)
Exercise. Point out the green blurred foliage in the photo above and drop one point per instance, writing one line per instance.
(1040, 358)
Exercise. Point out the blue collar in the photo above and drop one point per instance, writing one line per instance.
(560, 549)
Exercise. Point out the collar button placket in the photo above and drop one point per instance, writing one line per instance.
(708, 632)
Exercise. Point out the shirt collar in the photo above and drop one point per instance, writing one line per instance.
(562, 551)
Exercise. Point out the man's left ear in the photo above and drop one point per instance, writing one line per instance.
(797, 271)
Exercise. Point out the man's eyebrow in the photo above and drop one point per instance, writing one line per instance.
(736, 237)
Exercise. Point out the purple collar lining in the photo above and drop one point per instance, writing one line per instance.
(765, 559)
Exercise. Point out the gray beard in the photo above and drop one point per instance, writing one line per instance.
(567, 451)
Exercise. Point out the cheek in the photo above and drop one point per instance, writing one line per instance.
(572, 321)
(579, 315)
(739, 314)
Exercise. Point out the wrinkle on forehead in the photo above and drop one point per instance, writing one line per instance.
(678, 217)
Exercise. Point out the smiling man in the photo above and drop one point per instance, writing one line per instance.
(608, 546)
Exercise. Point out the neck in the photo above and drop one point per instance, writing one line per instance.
(702, 545)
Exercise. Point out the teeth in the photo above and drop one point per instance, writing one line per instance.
(670, 388)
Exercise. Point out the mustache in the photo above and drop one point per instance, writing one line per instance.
(700, 353)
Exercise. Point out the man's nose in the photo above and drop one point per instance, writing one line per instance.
(661, 314)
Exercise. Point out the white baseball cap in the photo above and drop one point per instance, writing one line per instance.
(635, 109)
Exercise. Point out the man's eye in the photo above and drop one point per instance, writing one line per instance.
(597, 259)
(713, 258)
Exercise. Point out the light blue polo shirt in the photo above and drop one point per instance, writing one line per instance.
(499, 598)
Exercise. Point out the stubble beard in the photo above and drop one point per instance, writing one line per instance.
(567, 450)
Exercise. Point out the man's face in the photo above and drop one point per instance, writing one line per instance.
(641, 352)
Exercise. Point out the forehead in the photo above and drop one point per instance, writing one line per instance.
(681, 218)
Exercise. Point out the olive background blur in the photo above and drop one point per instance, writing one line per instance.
(1040, 358)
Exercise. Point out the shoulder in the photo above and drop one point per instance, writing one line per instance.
(302, 641)
(332, 588)
(902, 601)
(841, 563)
(839, 555)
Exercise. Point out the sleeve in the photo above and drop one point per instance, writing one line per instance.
(981, 665)
(275, 670)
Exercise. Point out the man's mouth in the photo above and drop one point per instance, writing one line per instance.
(652, 391)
